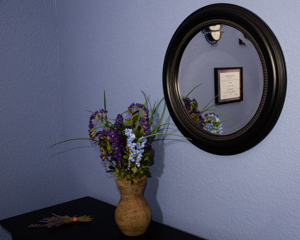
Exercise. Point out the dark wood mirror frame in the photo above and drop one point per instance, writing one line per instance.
(274, 70)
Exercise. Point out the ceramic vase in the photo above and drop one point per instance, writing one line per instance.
(133, 213)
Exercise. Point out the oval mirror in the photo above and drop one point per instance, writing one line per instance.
(224, 79)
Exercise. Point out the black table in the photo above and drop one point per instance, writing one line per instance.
(102, 226)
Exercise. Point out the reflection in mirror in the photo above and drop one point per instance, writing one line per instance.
(198, 64)
(213, 34)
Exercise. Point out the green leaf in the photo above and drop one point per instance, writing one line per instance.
(108, 146)
(229, 122)
(193, 89)
(89, 111)
(140, 114)
(141, 133)
(104, 101)
(109, 124)
(118, 122)
(151, 155)
(135, 181)
(164, 134)
(204, 109)
(73, 140)
(145, 96)
(162, 115)
(154, 110)
(158, 126)
(152, 113)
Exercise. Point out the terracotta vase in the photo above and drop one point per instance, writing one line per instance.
(133, 213)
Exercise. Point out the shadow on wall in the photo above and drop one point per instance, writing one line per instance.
(153, 181)
(157, 171)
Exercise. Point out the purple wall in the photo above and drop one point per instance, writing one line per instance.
(56, 59)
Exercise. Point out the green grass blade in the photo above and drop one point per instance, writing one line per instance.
(194, 89)
(194, 105)
(123, 124)
(209, 108)
(113, 125)
(161, 117)
(204, 109)
(158, 126)
(221, 114)
(71, 140)
(152, 114)
(145, 96)
(89, 111)
(159, 103)
(229, 122)
(151, 135)
(140, 114)
(154, 110)
(125, 111)
(104, 101)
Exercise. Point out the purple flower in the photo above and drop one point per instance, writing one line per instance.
(103, 111)
(191, 107)
(119, 121)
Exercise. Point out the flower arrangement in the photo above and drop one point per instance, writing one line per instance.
(125, 143)
(210, 121)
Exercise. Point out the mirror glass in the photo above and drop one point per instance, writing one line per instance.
(197, 66)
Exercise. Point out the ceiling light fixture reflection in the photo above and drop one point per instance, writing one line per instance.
(213, 34)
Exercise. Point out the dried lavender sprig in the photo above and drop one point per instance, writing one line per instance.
(57, 220)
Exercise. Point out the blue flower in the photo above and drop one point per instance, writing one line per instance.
(209, 126)
(128, 131)
(136, 149)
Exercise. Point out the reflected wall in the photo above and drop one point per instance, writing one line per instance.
(197, 66)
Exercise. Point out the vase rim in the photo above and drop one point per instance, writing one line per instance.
(126, 183)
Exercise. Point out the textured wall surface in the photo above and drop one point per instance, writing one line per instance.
(119, 46)
(31, 176)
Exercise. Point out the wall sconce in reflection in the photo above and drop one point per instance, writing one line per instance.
(213, 34)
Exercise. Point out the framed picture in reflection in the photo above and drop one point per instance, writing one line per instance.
(228, 85)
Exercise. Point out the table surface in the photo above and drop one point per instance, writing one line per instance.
(102, 226)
